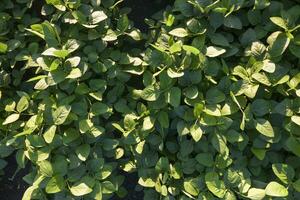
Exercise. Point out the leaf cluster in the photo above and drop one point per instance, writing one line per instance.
(204, 105)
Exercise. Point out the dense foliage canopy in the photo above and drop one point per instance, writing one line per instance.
(204, 104)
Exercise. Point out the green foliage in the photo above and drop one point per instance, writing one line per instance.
(205, 104)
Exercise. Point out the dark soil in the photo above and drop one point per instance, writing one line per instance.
(130, 184)
(12, 189)
(142, 9)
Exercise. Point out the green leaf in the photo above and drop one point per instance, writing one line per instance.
(196, 132)
(191, 49)
(22, 104)
(53, 2)
(109, 144)
(257, 49)
(110, 36)
(49, 134)
(219, 143)
(83, 151)
(3, 47)
(75, 73)
(11, 118)
(233, 22)
(174, 74)
(214, 96)
(219, 39)
(99, 108)
(148, 123)
(96, 3)
(174, 96)
(179, 32)
(72, 45)
(296, 185)
(55, 184)
(129, 122)
(279, 45)
(213, 51)
(60, 114)
(191, 92)
(214, 184)
(261, 78)
(146, 182)
(261, 4)
(50, 34)
(106, 170)
(85, 125)
(205, 159)
(279, 22)
(293, 145)
(108, 187)
(97, 17)
(163, 119)
(162, 165)
(70, 135)
(264, 127)
(28, 193)
(248, 37)
(150, 93)
(284, 172)
(20, 158)
(191, 187)
(176, 47)
(259, 153)
(46, 168)
(296, 119)
(274, 189)
(136, 35)
(123, 23)
(295, 49)
(59, 53)
(269, 66)
(256, 194)
(82, 187)
(260, 107)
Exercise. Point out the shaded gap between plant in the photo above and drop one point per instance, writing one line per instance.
(13, 189)
(141, 9)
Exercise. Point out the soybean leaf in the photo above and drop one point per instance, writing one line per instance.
(256, 194)
(22, 104)
(49, 134)
(275, 189)
(150, 93)
(279, 45)
(83, 151)
(284, 172)
(196, 132)
(55, 184)
(11, 118)
(213, 51)
(279, 22)
(82, 187)
(179, 32)
(233, 22)
(190, 186)
(264, 127)
(215, 185)
(60, 114)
